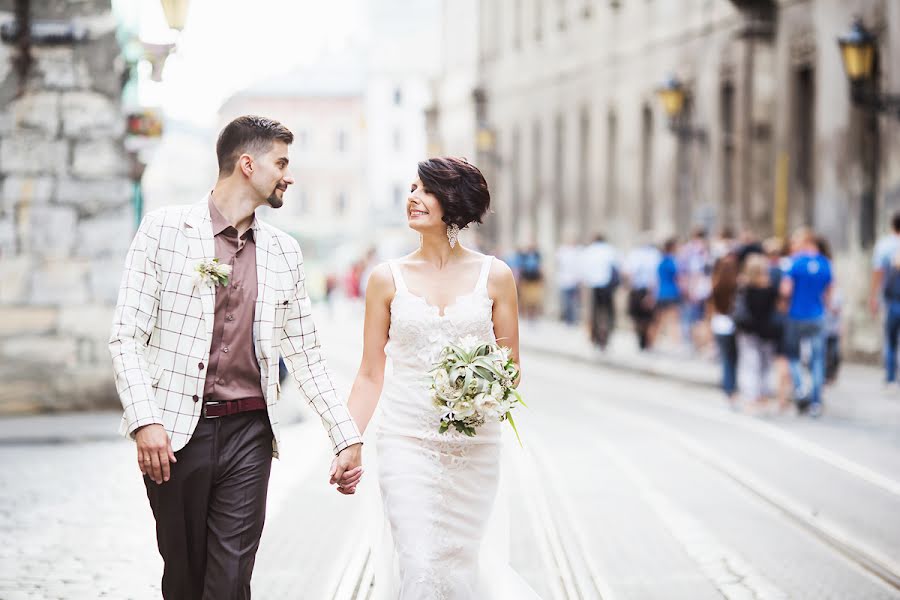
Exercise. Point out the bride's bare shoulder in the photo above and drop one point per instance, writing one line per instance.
(381, 281)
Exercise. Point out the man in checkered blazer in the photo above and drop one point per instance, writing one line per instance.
(195, 350)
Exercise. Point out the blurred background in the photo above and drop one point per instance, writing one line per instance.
(649, 162)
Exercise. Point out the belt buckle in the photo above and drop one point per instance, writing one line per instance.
(208, 404)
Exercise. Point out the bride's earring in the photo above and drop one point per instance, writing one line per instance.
(453, 234)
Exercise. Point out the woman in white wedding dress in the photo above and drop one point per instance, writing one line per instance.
(437, 489)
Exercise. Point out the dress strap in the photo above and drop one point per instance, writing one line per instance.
(398, 276)
(485, 272)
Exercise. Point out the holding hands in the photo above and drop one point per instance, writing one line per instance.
(346, 469)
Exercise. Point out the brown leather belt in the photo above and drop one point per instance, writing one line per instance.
(212, 408)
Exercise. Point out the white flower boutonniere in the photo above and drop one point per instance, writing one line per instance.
(210, 272)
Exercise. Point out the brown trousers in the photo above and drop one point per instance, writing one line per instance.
(210, 514)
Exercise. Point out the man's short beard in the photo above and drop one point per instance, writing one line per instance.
(274, 201)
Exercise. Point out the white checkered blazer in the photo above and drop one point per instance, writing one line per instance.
(163, 324)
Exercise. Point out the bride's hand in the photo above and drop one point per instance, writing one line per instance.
(346, 470)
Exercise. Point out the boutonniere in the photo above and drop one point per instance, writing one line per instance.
(211, 272)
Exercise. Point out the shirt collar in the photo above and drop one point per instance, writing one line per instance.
(220, 223)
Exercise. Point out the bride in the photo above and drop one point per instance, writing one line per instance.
(437, 489)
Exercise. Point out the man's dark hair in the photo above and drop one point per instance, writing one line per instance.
(459, 187)
(895, 222)
(248, 134)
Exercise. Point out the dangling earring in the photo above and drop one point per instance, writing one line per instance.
(453, 234)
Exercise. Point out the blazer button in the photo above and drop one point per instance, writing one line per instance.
(196, 398)
(200, 366)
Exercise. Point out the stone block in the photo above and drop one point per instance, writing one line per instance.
(105, 236)
(51, 232)
(15, 277)
(38, 111)
(105, 277)
(33, 154)
(17, 189)
(8, 238)
(92, 321)
(57, 68)
(85, 387)
(99, 158)
(93, 196)
(88, 115)
(27, 320)
(47, 350)
(59, 282)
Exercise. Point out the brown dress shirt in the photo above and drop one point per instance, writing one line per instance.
(233, 368)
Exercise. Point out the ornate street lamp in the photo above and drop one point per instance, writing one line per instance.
(858, 48)
(672, 95)
(176, 13)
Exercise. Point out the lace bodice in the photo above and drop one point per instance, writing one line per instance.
(419, 331)
(417, 334)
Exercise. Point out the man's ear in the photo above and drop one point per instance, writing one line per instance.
(245, 162)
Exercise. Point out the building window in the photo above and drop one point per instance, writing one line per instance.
(517, 24)
(561, 15)
(646, 168)
(302, 139)
(538, 19)
(584, 214)
(341, 202)
(804, 93)
(729, 148)
(612, 186)
(399, 195)
(342, 141)
(587, 10)
(398, 96)
(398, 140)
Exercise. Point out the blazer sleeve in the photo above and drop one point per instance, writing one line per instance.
(133, 323)
(302, 353)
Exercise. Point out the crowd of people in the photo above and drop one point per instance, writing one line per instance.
(769, 310)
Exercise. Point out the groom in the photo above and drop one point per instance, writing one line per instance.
(196, 364)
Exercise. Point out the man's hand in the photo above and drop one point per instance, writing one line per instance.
(154, 452)
(346, 470)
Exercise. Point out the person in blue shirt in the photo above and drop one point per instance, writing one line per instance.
(668, 296)
(807, 281)
(886, 290)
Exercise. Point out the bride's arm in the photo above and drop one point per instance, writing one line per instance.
(502, 288)
(370, 378)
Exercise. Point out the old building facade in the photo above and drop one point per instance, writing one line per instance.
(66, 217)
(769, 139)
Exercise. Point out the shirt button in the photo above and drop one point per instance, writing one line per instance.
(225, 350)
(200, 366)
(229, 317)
(196, 398)
(220, 381)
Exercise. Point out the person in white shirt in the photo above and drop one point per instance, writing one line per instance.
(568, 279)
(642, 271)
(600, 276)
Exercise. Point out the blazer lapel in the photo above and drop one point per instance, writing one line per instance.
(201, 246)
(264, 316)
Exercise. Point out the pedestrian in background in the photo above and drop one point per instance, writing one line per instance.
(600, 276)
(724, 290)
(694, 281)
(668, 297)
(531, 282)
(833, 320)
(806, 283)
(886, 286)
(777, 254)
(755, 318)
(641, 268)
(568, 280)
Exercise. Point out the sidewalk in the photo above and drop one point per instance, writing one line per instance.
(857, 395)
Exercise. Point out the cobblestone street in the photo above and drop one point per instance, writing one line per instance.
(629, 486)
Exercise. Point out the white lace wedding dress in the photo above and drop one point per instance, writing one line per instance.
(437, 489)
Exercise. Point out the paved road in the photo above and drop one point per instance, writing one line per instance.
(628, 487)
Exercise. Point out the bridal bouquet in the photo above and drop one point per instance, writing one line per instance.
(472, 384)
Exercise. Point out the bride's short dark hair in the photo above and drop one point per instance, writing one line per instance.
(459, 187)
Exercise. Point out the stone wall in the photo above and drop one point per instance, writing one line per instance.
(66, 218)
